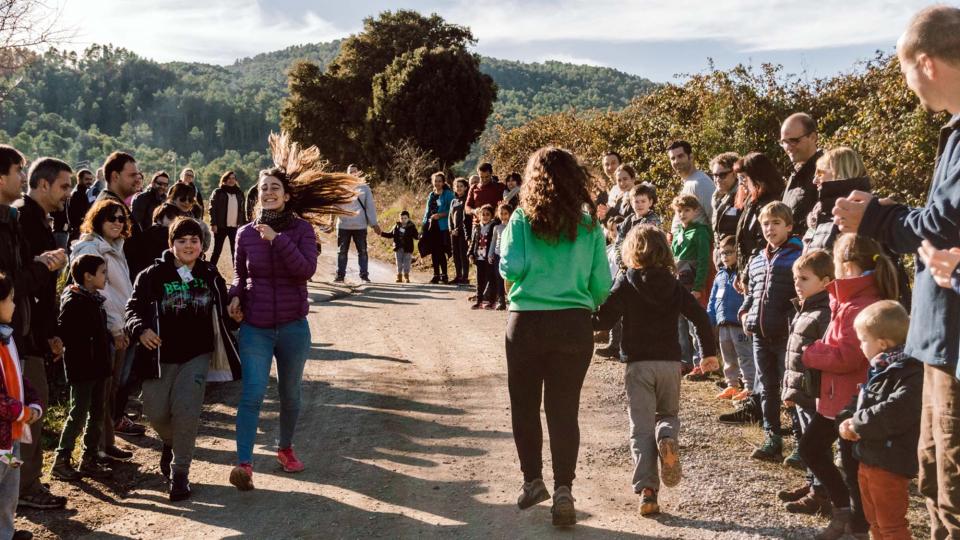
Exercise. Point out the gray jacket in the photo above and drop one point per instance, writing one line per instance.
(366, 211)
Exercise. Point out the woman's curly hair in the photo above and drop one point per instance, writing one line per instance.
(555, 194)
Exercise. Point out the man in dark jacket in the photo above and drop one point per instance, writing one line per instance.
(78, 204)
(145, 202)
(929, 53)
(33, 274)
(798, 138)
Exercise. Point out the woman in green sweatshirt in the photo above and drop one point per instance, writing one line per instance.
(553, 251)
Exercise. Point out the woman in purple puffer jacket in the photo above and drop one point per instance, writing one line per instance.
(276, 256)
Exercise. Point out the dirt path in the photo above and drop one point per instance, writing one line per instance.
(405, 431)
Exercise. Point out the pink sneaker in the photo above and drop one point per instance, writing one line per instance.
(242, 477)
(288, 460)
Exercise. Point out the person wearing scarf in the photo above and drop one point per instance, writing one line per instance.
(227, 214)
(276, 256)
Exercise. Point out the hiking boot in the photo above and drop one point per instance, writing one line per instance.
(532, 493)
(125, 426)
(91, 469)
(563, 512)
(288, 460)
(180, 488)
(670, 471)
(795, 494)
(435, 280)
(608, 352)
(812, 503)
(794, 460)
(648, 502)
(166, 458)
(242, 477)
(407, 277)
(444, 280)
(365, 279)
(113, 453)
(728, 393)
(745, 413)
(399, 278)
(696, 375)
(770, 450)
(63, 470)
(839, 521)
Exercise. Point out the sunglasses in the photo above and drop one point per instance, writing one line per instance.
(163, 184)
(186, 199)
(721, 174)
(119, 218)
(793, 141)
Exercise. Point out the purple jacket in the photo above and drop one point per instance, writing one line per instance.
(271, 278)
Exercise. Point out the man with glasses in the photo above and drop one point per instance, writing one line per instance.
(725, 212)
(798, 138)
(145, 202)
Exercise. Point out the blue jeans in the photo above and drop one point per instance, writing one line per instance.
(689, 343)
(290, 343)
(359, 237)
(769, 354)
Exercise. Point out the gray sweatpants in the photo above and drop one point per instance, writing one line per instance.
(173, 403)
(9, 494)
(737, 351)
(653, 394)
(403, 261)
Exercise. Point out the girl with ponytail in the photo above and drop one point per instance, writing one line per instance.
(276, 255)
(864, 276)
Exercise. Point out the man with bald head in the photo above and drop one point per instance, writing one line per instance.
(929, 54)
(798, 138)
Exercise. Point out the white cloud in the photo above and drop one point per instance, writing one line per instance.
(218, 31)
(753, 25)
(571, 59)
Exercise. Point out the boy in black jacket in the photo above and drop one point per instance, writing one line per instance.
(403, 234)
(885, 420)
(480, 246)
(82, 325)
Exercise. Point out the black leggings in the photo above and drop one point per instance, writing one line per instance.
(844, 489)
(440, 246)
(548, 353)
(460, 261)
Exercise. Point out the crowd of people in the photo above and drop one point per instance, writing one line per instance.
(135, 280)
(788, 290)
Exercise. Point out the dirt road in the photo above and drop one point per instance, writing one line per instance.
(405, 432)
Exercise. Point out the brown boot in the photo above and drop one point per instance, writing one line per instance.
(399, 278)
(407, 277)
(812, 503)
(795, 494)
(839, 521)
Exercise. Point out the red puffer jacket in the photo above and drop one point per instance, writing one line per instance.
(838, 354)
(270, 278)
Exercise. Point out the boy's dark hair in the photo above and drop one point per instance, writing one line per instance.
(405, 213)
(115, 163)
(166, 210)
(461, 180)
(184, 226)
(686, 201)
(485, 167)
(10, 156)
(46, 168)
(6, 285)
(818, 261)
(729, 242)
(488, 208)
(687, 149)
(85, 264)
(645, 188)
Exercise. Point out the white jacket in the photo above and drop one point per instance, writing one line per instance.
(119, 288)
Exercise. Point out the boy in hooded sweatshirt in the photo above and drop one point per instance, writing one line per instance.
(691, 249)
(403, 235)
(649, 299)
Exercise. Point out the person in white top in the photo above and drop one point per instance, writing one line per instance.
(695, 182)
(227, 213)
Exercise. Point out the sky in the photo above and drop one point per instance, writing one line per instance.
(654, 39)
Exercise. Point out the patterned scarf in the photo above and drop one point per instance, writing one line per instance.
(277, 220)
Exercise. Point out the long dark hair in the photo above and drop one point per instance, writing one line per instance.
(555, 193)
(315, 195)
(764, 175)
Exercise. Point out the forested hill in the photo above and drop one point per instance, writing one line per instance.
(80, 106)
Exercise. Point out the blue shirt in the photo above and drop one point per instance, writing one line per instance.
(439, 204)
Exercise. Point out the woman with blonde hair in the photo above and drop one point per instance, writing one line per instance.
(839, 172)
(553, 250)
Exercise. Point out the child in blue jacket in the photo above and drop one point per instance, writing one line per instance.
(723, 309)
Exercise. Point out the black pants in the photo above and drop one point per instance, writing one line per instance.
(844, 489)
(497, 293)
(229, 233)
(460, 260)
(439, 248)
(483, 280)
(548, 353)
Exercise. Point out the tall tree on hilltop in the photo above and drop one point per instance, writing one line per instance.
(405, 77)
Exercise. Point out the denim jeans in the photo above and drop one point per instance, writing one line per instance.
(689, 344)
(769, 353)
(9, 493)
(290, 343)
(359, 237)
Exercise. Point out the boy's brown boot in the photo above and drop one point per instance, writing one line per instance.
(406, 277)
(399, 278)
(63, 470)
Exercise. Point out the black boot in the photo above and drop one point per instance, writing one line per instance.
(166, 457)
(180, 489)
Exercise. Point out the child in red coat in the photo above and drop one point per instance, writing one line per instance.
(864, 276)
